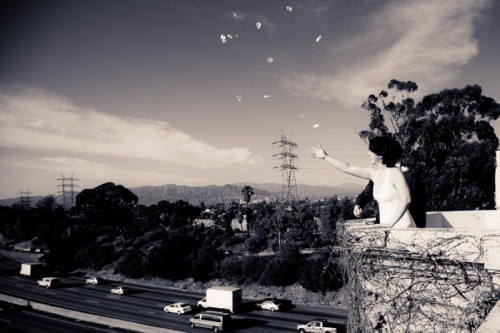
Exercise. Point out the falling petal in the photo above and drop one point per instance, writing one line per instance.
(318, 38)
(315, 125)
(289, 8)
(223, 38)
(301, 116)
(235, 16)
(238, 98)
(229, 36)
(258, 25)
(267, 96)
(270, 60)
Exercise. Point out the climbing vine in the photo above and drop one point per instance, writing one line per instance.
(415, 280)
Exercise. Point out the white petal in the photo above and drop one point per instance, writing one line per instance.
(315, 125)
(318, 38)
(258, 25)
(289, 8)
(270, 60)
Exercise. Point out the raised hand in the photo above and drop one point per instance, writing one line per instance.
(317, 152)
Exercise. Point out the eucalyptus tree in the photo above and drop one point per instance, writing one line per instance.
(448, 136)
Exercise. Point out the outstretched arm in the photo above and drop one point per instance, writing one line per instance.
(319, 152)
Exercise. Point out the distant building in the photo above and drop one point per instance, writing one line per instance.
(208, 223)
(236, 225)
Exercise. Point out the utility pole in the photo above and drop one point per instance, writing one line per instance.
(24, 199)
(289, 192)
(67, 191)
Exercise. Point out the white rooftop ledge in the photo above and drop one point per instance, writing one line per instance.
(465, 219)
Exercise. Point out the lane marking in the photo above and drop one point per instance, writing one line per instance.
(148, 312)
(70, 322)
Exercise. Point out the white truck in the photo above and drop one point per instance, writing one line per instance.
(316, 325)
(222, 298)
(35, 269)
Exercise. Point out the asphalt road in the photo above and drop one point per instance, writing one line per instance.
(145, 304)
(24, 320)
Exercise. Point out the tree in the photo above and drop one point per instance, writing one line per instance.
(108, 204)
(247, 193)
(246, 212)
(447, 135)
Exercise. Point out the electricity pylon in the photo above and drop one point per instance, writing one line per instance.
(67, 191)
(289, 191)
(24, 199)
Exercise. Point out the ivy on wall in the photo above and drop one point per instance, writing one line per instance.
(415, 280)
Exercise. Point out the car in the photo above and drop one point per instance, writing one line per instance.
(49, 282)
(271, 305)
(120, 290)
(94, 280)
(216, 321)
(316, 325)
(178, 308)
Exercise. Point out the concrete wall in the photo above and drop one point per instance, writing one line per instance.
(422, 280)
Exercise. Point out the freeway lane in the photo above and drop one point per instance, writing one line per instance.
(31, 321)
(145, 304)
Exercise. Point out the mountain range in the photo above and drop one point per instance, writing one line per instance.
(212, 194)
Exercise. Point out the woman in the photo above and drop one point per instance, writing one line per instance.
(390, 188)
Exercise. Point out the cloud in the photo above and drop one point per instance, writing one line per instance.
(37, 120)
(313, 6)
(422, 41)
(90, 173)
(72, 162)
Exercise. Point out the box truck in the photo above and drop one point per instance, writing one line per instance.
(222, 298)
(35, 269)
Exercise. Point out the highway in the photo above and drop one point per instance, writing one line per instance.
(23, 320)
(145, 304)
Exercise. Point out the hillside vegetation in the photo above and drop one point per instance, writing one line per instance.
(177, 241)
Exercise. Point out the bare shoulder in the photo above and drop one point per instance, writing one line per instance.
(396, 174)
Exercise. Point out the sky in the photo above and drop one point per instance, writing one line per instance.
(200, 92)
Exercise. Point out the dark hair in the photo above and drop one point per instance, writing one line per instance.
(388, 148)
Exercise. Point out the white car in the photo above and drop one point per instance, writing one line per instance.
(94, 280)
(48, 282)
(120, 290)
(270, 305)
(178, 308)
